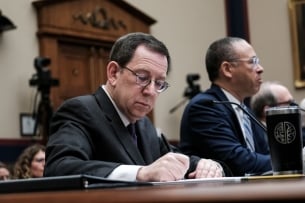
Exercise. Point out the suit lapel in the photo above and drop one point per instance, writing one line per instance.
(219, 95)
(118, 130)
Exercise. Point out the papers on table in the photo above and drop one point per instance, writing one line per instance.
(231, 179)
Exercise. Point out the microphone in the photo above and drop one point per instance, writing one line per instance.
(212, 102)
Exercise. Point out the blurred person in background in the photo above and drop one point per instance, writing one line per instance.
(5, 173)
(30, 163)
(271, 94)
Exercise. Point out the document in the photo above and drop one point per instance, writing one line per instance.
(203, 180)
(231, 179)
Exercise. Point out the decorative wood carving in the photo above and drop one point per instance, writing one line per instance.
(77, 36)
(99, 19)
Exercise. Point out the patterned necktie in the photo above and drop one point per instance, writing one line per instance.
(247, 130)
(132, 130)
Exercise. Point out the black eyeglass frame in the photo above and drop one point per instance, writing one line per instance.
(288, 103)
(145, 82)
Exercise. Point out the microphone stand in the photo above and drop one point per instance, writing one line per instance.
(172, 110)
(189, 92)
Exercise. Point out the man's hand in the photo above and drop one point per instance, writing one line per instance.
(207, 168)
(170, 167)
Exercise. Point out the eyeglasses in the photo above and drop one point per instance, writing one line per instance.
(254, 61)
(144, 80)
(290, 102)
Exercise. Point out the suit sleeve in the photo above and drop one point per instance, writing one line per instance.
(71, 148)
(214, 132)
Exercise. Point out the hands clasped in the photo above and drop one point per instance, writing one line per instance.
(173, 166)
(207, 168)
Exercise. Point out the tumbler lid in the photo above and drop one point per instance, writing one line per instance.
(282, 110)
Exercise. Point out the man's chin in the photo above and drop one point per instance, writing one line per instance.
(141, 114)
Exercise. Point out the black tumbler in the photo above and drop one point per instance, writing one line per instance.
(285, 139)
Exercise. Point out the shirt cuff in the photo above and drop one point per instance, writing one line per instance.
(125, 172)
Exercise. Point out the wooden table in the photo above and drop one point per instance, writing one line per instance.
(267, 190)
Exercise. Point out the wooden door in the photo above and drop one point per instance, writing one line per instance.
(82, 68)
(77, 36)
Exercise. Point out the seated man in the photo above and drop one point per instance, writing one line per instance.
(221, 130)
(271, 94)
(107, 134)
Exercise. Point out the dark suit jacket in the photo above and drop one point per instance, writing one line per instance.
(87, 136)
(213, 131)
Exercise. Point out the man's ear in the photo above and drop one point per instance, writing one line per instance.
(226, 69)
(112, 72)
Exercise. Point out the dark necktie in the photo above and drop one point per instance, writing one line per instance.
(132, 130)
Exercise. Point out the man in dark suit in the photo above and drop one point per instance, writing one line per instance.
(89, 135)
(216, 131)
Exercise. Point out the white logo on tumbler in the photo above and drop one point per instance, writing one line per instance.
(285, 132)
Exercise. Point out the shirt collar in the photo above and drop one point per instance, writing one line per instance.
(122, 116)
(230, 97)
